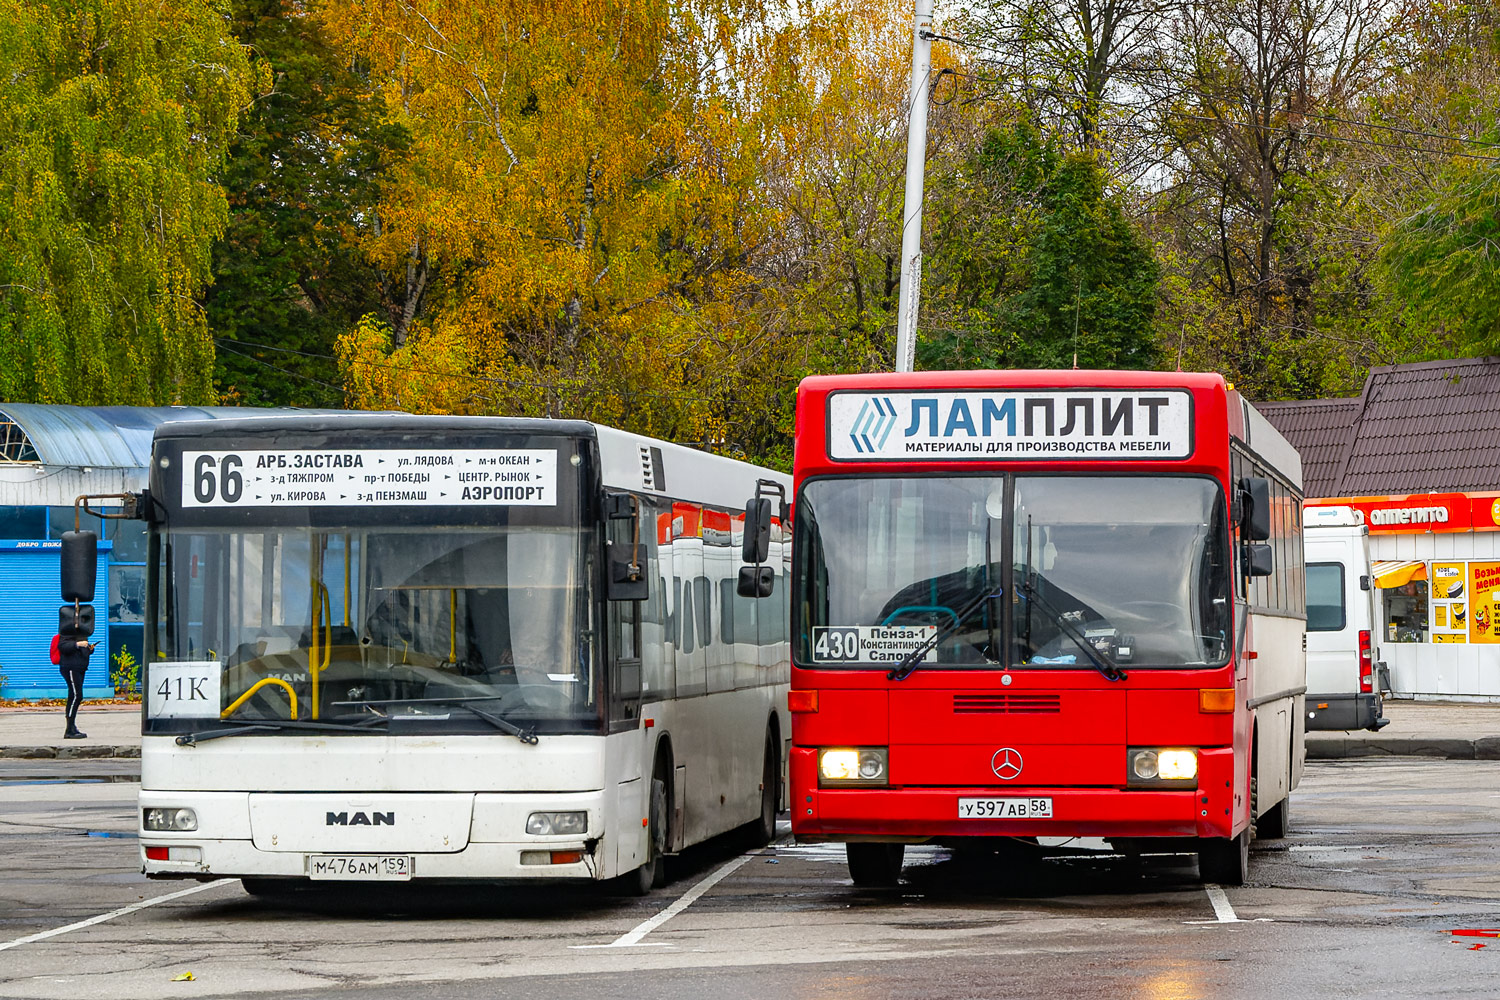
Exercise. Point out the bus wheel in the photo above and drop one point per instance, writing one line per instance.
(652, 874)
(1275, 822)
(875, 866)
(1226, 861)
(770, 795)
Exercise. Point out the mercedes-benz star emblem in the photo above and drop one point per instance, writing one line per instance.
(1006, 763)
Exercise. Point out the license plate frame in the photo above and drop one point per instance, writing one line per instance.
(359, 867)
(1005, 807)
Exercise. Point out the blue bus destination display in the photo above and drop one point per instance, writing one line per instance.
(423, 477)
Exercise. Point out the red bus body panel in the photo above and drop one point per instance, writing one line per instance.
(1071, 727)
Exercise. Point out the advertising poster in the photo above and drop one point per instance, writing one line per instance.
(1449, 601)
(1484, 601)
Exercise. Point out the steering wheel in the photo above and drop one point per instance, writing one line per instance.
(914, 609)
(535, 696)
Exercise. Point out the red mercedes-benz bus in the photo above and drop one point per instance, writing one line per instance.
(1042, 604)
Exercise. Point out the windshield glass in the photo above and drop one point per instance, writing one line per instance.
(1135, 566)
(1139, 565)
(361, 624)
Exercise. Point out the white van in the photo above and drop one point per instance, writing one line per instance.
(1342, 685)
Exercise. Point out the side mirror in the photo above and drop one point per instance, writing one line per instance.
(75, 623)
(1258, 560)
(80, 561)
(756, 581)
(1256, 518)
(757, 530)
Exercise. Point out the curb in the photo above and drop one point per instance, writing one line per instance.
(1346, 747)
(94, 751)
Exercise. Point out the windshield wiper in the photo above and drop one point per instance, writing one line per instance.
(527, 736)
(913, 659)
(1101, 660)
(192, 739)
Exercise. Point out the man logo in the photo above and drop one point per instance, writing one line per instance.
(361, 819)
(1006, 763)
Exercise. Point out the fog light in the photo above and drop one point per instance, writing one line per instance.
(175, 820)
(1144, 765)
(865, 765)
(554, 824)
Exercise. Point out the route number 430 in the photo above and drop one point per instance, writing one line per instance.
(221, 477)
(838, 644)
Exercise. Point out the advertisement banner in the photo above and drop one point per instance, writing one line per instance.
(1034, 424)
(1484, 601)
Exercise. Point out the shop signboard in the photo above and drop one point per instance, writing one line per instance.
(1425, 512)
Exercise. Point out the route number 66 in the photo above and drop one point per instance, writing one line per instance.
(221, 476)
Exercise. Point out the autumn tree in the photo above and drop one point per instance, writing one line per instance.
(114, 116)
(577, 207)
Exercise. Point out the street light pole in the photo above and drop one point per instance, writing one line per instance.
(916, 164)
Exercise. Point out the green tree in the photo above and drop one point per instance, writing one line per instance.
(302, 182)
(1442, 262)
(113, 118)
(1035, 261)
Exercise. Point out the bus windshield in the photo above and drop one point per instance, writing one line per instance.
(1136, 567)
(409, 623)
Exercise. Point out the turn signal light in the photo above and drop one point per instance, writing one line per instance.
(1216, 699)
(802, 701)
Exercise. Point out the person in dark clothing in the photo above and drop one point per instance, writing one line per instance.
(73, 661)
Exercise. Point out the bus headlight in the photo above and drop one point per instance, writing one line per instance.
(552, 824)
(174, 820)
(854, 766)
(1161, 767)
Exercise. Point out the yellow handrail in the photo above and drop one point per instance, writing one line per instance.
(291, 696)
(452, 625)
(322, 627)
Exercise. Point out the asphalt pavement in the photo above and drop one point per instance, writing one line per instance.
(1448, 730)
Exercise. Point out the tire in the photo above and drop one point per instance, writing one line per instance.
(1275, 822)
(764, 828)
(875, 866)
(1226, 861)
(652, 874)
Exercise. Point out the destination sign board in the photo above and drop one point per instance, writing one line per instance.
(365, 477)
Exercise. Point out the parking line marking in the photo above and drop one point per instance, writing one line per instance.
(122, 911)
(1222, 910)
(632, 938)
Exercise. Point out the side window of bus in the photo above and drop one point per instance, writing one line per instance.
(657, 680)
(704, 606)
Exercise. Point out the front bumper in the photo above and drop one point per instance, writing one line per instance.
(487, 843)
(916, 814)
